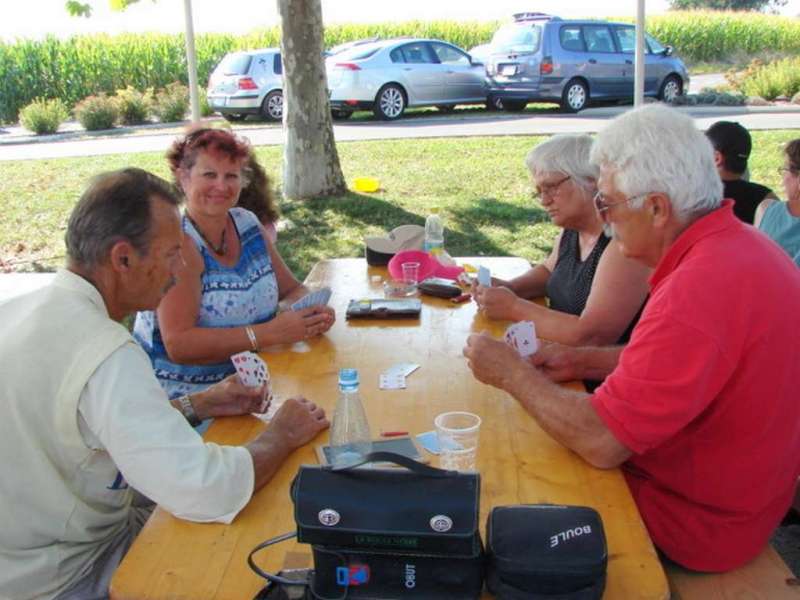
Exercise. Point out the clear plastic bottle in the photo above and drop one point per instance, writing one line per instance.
(434, 233)
(350, 436)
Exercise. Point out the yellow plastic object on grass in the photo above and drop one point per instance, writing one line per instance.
(366, 184)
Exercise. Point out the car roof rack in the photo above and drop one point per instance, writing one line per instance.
(534, 16)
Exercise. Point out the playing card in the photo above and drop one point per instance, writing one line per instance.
(396, 381)
(405, 369)
(319, 297)
(522, 337)
(430, 441)
(484, 276)
(252, 370)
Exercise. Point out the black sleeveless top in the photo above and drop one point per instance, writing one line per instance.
(746, 197)
(571, 280)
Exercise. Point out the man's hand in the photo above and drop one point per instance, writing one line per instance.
(490, 360)
(559, 362)
(297, 422)
(230, 397)
(496, 302)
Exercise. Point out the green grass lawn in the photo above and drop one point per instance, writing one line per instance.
(480, 184)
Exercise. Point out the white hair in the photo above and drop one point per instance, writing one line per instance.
(659, 149)
(568, 154)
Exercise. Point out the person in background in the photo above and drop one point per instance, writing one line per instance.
(699, 409)
(595, 293)
(258, 197)
(732, 147)
(226, 300)
(781, 220)
(83, 420)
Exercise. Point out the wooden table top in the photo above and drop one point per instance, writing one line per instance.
(518, 462)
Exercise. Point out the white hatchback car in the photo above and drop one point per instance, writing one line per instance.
(248, 83)
(390, 75)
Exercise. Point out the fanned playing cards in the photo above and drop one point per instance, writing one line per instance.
(522, 337)
(320, 297)
(252, 370)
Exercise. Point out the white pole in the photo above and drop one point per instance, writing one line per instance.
(191, 60)
(638, 69)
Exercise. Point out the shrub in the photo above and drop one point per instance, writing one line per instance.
(133, 106)
(768, 80)
(172, 103)
(43, 116)
(205, 108)
(96, 112)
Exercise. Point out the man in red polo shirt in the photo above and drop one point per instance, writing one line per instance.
(700, 409)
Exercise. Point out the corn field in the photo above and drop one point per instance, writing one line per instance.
(74, 68)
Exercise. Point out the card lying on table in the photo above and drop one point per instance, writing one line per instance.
(389, 308)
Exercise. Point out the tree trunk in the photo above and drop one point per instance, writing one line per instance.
(310, 160)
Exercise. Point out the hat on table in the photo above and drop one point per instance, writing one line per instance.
(380, 249)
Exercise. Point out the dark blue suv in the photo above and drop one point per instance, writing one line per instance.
(541, 58)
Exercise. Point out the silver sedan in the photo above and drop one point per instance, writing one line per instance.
(391, 75)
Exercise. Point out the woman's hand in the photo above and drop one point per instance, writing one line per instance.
(496, 302)
(294, 325)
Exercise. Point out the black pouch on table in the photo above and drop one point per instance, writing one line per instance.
(545, 552)
(441, 288)
(391, 533)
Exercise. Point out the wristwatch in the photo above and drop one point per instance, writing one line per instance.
(188, 410)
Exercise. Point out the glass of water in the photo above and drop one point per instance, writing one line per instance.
(458, 434)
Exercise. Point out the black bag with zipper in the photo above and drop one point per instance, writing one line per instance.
(545, 552)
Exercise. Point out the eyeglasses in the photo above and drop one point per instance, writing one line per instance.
(548, 189)
(601, 205)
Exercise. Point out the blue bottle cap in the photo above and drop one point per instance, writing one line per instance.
(348, 377)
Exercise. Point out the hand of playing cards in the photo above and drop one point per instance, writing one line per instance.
(320, 297)
(522, 337)
(252, 371)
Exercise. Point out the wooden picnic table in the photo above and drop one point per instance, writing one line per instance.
(518, 461)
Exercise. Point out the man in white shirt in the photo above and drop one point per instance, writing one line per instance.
(83, 420)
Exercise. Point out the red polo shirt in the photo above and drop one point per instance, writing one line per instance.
(706, 394)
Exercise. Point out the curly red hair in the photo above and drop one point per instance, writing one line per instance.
(184, 151)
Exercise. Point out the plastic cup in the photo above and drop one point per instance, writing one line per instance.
(458, 434)
(410, 273)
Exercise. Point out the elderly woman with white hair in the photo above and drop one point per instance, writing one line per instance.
(594, 292)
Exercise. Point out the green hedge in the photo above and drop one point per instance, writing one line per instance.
(80, 66)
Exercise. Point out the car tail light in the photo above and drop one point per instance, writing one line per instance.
(247, 83)
(546, 66)
(347, 66)
(351, 102)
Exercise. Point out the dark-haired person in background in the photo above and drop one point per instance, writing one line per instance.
(83, 420)
(732, 146)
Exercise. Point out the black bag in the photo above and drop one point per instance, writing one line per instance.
(441, 288)
(391, 533)
(544, 551)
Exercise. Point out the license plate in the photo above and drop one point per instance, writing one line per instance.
(508, 70)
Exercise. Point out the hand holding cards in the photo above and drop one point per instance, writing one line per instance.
(484, 276)
(522, 337)
(252, 371)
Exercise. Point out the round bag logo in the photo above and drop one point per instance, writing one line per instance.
(328, 517)
(441, 523)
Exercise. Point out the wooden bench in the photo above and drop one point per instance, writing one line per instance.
(765, 577)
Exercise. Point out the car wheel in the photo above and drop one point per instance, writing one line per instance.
(670, 89)
(234, 118)
(512, 105)
(272, 107)
(341, 115)
(575, 96)
(390, 102)
(494, 103)
(445, 108)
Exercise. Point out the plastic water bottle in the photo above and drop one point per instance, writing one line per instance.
(434, 233)
(350, 437)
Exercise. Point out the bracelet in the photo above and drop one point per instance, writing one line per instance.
(251, 335)
(188, 410)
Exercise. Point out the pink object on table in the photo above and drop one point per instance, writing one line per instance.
(428, 265)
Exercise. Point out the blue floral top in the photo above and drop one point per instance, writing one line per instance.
(244, 294)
